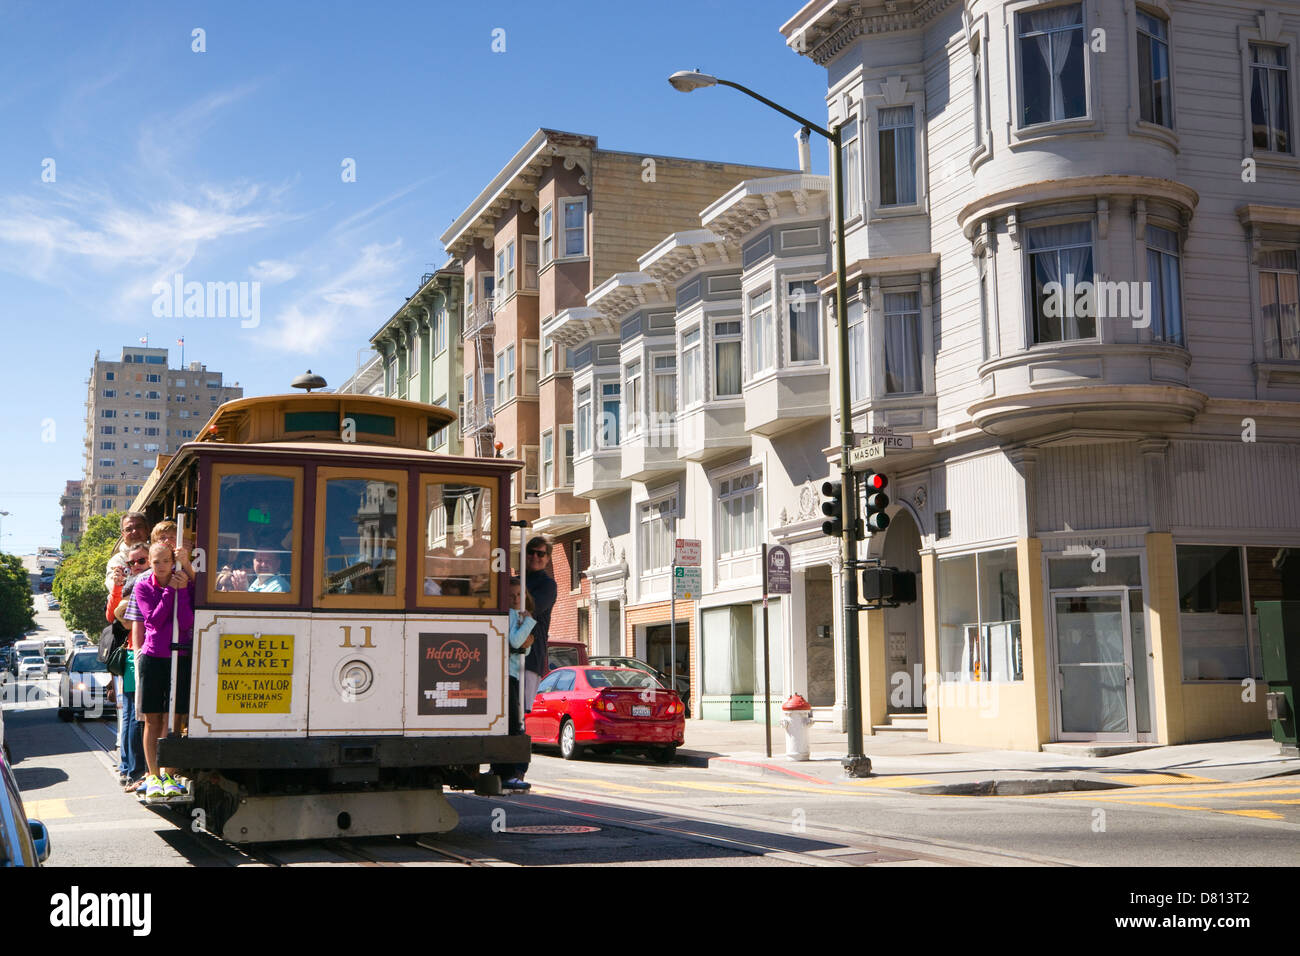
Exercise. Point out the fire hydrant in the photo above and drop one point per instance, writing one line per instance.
(796, 719)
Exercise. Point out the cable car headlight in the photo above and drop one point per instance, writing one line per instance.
(355, 678)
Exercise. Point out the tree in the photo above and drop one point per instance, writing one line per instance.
(79, 583)
(15, 597)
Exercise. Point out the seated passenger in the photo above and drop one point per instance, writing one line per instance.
(269, 580)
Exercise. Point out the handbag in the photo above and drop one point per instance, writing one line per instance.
(117, 660)
(110, 639)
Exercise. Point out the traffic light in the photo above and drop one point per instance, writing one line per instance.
(877, 500)
(889, 584)
(834, 508)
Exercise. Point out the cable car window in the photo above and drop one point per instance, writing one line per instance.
(256, 533)
(360, 537)
(458, 534)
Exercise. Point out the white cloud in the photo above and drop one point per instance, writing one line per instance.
(273, 271)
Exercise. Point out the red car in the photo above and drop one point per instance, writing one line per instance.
(606, 709)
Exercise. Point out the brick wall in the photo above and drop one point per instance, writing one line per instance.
(564, 618)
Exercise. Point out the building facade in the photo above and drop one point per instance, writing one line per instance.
(137, 409)
(1073, 238)
(560, 218)
(70, 503)
(420, 352)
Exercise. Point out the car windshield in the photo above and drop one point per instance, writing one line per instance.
(620, 678)
(33, 660)
(562, 656)
(86, 663)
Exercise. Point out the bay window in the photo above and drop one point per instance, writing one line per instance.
(548, 460)
(632, 396)
(740, 514)
(896, 140)
(857, 352)
(902, 343)
(1166, 300)
(726, 358)
(548, 234)
(583, 421)
(852, 161)
(1052, 52)
(1060, 258)
(609, 415)
(761, 338)
(692, 368)
(1279, 299)
(575, 226)
(664, 389)
(804, 321)
(1155, 92)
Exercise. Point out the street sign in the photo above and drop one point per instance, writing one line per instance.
(901, 442)
(778, 570)
(867, 453)
(686, 554)
(686, 583)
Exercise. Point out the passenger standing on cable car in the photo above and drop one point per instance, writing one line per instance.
(153, 602)
(542, 589)
(520, 638)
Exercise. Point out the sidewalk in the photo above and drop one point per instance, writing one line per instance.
(907, 760)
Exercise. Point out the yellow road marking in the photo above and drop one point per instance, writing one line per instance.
(1198, 790)
(1279, 801)
(1142, 779)
(610, 785)
(47, 810)
(1258, 814)
(891, 782)
(713, 787)
(801, 788)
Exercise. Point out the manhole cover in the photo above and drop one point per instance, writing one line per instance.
(548, 829)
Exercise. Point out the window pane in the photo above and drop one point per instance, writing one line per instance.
(574, 226)
(999, 606)
(1211, 615)
(804, 324)
(902, 342)
(727, 371)
(1051, 64)
(458, 540)
(360, 547)
(958, 618)
(255, 529)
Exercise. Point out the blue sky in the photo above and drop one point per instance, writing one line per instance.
(225, 165)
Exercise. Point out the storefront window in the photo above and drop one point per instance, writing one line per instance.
(979, 617)
(1211, 614)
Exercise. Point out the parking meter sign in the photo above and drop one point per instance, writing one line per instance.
(686, 583)
(686, 552)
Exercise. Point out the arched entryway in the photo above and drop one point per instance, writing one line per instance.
(904, 626)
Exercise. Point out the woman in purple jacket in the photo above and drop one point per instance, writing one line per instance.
(151, 611)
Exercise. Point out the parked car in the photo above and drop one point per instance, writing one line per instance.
(52, 605)
(23, 842)
(33, 667)
(606, 709)
(84, 688)
(79, 639)
(683, 685)
(565, 654)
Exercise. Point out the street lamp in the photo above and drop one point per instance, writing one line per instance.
(855, 763)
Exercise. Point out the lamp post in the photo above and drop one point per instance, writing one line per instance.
(855, 763)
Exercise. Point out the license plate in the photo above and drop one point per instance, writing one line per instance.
(640, 710)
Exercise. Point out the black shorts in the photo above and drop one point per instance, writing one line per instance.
(155, 677)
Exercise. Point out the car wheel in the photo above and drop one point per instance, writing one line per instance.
(569, 748)
(663, 754)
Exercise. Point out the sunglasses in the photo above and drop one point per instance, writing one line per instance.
(138, 561)
(537, 554)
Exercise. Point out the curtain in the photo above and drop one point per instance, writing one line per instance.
(897, 140)
(804, 314)
(665, 393)
(857, 353)
(1054, 48)
(727, 358)
(1052, 263)
(902, 342)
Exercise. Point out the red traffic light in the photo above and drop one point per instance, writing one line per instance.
(875, 481)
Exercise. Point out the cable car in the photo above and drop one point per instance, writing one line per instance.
(349, 651)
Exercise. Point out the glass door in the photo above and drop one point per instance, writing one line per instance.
(1094, 666)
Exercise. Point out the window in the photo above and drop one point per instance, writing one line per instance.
(577, 565)
(897, 156)
(506, 270)
(761, 338)
(583, 422)
(740, 514)
(441, 435)
(360, 537)
(152, 432)
(256, 534)
(857, 352)
(110, 393)
(726, 358)
(575, 226)
(977, 89)
(658, 521)
(153, 395)
(108, 376)
(1279, 300)
(439, 332)
(531, 473)
(852, 162)
(903, 343)
(632, 396)
(107, 429)
(107, 446)
(1166, 285)
(489, 287)
(458, 536)
(106, 463)
(989, 332)
(548, 461)
(979, 618)
(530, 263)
(609, 415)
(153, 416)
(548, 356)
(108, 413)
(469, 295)
(505, 379)
(566, 436)
(548, 234)
(692, 368)
(1155, 92)
(530, 368)
(1270, 105)
(180, 383)
(664, 390)
(1052, 56)
(1060, 257)
(804, 315)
